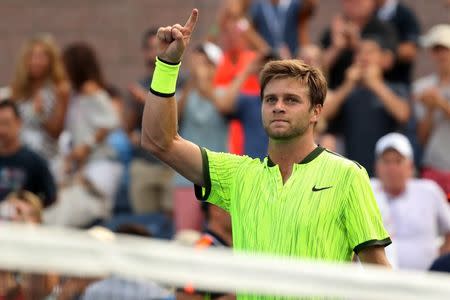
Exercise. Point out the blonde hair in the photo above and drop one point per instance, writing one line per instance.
(303, 73)
(21, 84)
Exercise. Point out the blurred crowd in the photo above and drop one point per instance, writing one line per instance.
(70, 150)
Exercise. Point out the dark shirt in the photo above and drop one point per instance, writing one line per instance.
(407, 27)
(442, 264)
(278, 25)
(26, 170)
(248, 111)
(336, 73)
(366, 120)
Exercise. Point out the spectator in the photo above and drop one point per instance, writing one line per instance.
(91, 117)
(432, 95)
(283, 24)
(407, 27)
(417, 212)
(216, 234)
(200, 122)
(20, 167)
(41, 90)
(341, 39)
(235, 60)
(121, 143)
(370, 107)
(150, 180)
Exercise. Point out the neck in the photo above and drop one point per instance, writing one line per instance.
(37, 83)
(395, 192)
(221, 232)
(10, 149)
(287, 153)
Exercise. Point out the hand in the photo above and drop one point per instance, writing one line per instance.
(80, 153)
(137, 92)
(338, 39)
(173, 40)
(430, 98)
(353, 74)
(372, 76)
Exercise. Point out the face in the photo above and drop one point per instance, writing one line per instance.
(39, 62)
(150, 51)
(394, 170)
(368, 54)
(358, 9)
(286, 109)
(9, 127)
(441, 57)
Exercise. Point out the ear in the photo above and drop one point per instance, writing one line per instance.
(316, 111)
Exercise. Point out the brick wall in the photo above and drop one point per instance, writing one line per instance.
(114, 27)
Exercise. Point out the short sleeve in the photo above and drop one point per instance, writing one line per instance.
(362, 218)
(104, 114)
(442, 208)
(44, 182)
(219, 171)
(409, 27)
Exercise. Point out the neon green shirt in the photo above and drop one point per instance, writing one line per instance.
(326, 210)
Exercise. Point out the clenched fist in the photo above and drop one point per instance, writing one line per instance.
(173, 40)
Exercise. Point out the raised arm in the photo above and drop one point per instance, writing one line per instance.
(159, 124)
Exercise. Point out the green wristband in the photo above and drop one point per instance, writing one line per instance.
(164, 79)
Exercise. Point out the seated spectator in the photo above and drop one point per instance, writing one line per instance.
(21, 169)
(200, 122)
(41, 90)
(369, 106)
(432, 107)
(284, 25)
(150, 180)
(216, 234)
(341, 39)
(415, 211)
(407, 27)
(93, 164)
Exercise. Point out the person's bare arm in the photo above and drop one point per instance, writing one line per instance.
(374, 255)
(335, 99)
(445, 248)
(425, 127)
(159, 125)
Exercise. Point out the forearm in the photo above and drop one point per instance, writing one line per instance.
(445, 248)
(395, 106)
(336, 99)
(226, 102)
(159, 123)
(374, 256)
(444, 105)
(330, 55)
(424, 127)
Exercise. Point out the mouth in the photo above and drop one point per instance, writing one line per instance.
(279, 121)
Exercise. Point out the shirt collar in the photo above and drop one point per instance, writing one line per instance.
(309, 158)
(387, 10)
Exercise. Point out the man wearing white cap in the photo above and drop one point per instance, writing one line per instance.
(414, 211)
(432, 94)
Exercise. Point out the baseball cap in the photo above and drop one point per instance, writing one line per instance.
(395, 141)
(438, 35)
(212, 51)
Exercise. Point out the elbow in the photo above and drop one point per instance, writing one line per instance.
(157, 147)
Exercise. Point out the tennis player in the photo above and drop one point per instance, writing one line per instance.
(301, 200)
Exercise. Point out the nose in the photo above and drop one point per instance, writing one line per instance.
(279, 107)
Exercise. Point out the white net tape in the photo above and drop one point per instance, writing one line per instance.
(29, 248)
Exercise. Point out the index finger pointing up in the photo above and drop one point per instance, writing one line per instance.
(190, 24)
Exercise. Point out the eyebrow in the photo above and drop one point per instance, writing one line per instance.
(284, 95)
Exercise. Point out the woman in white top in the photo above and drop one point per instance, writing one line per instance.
(91, 116)
(41, 91)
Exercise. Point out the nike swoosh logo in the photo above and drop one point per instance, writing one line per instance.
(314, 189)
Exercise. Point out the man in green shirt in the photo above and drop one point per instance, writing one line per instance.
(302, 200)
